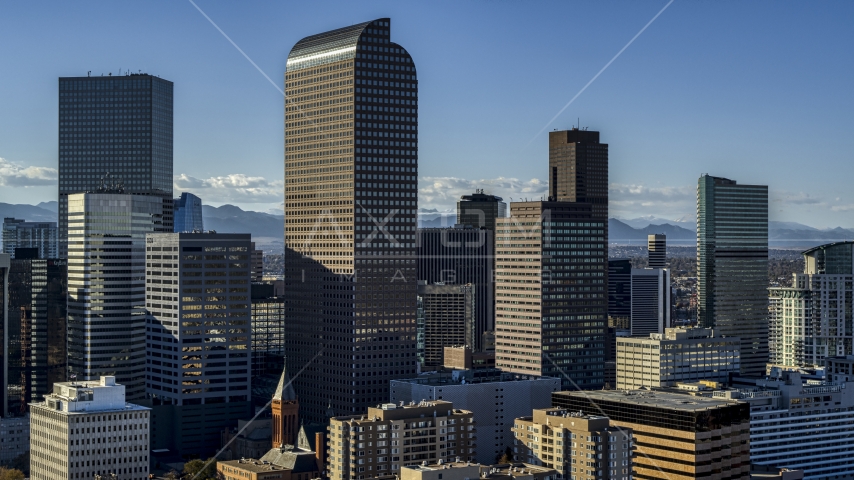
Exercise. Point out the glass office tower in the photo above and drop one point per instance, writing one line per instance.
(188, 213)
(351, 165)
(106, 286)
(732, 265)
(114, 130)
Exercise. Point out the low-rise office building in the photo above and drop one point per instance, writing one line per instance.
(677, 355)
(391, 436)
(84, 429)
(676, 437)
(494, 397)
(576, 445)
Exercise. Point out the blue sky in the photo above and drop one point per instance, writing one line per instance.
(760, 92)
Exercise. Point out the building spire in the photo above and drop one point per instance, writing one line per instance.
(285, 390)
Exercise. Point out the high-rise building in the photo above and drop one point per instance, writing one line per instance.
(188, 214)
(268, 341)
(257, 260)
(350, 216)
(198, 330)
(372, 443)
(650, 300)
(551, 301)
(115, 130)
(480, 210)
(448, 319)
(106, 285)
(85, 429)
(15, 432)
(678, 355)
(812, 319)
(461, 255)
(657, 250)
(5, 265)
(732, 265)
(578, 170)
(676, 437)
(619, 293)
(564, 440)
(35, 355)
(798, 423)
(494, 397)
(23, 234)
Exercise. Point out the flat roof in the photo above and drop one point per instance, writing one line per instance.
(658, 399)
(254, 465)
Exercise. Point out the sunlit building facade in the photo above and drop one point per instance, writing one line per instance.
(351, 161)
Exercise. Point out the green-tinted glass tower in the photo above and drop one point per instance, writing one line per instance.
(732, 265)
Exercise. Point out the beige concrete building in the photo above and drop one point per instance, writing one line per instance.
(458, 470)
(577, 446)
(84, 429)
(676, 356)
(551, 296)
(676, 437)
(391, 436)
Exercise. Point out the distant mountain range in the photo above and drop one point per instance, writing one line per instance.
(268, 229)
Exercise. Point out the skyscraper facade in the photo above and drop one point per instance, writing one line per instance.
(106, 285)
(35, 355)
(351, 164)
(188, 214)
(814, 318)
(115, 129)
(551, 302)
(619, 293)
(578, 170)
(650, 301)
(22, 234)
(657, 250)
(198, 305)
(448, 320)
(732, 265)
(480, 210)
(461, 255)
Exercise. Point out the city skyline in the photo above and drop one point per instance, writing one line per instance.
(647, 90)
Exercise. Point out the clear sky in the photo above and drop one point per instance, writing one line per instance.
(760, 92)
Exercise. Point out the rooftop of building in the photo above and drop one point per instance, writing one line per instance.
(498, 471)
(87, 397)
(391, 411)
(826, 246)
(480, 196)
(657, 399)
(472, 376)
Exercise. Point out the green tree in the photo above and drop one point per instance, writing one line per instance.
(507, 457)
(11, 474)
(200, 469)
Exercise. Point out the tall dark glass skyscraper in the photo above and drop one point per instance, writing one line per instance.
(188, 213)
(351, 161)
(119, 127)
(35, 355)
(459, 256)
(578, 169)
(732, 265)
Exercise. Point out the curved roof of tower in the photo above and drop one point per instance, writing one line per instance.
(285, 390)
(331, 46)
(826, 246)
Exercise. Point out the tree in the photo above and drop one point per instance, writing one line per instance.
(11, 474)
(21, 462)
(172, 475)
(507, 457)
(200, 469)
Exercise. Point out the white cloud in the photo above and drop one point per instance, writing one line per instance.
(794, 198)
(442, 193)
(636, 200)
(15, 175)
(233, 188)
